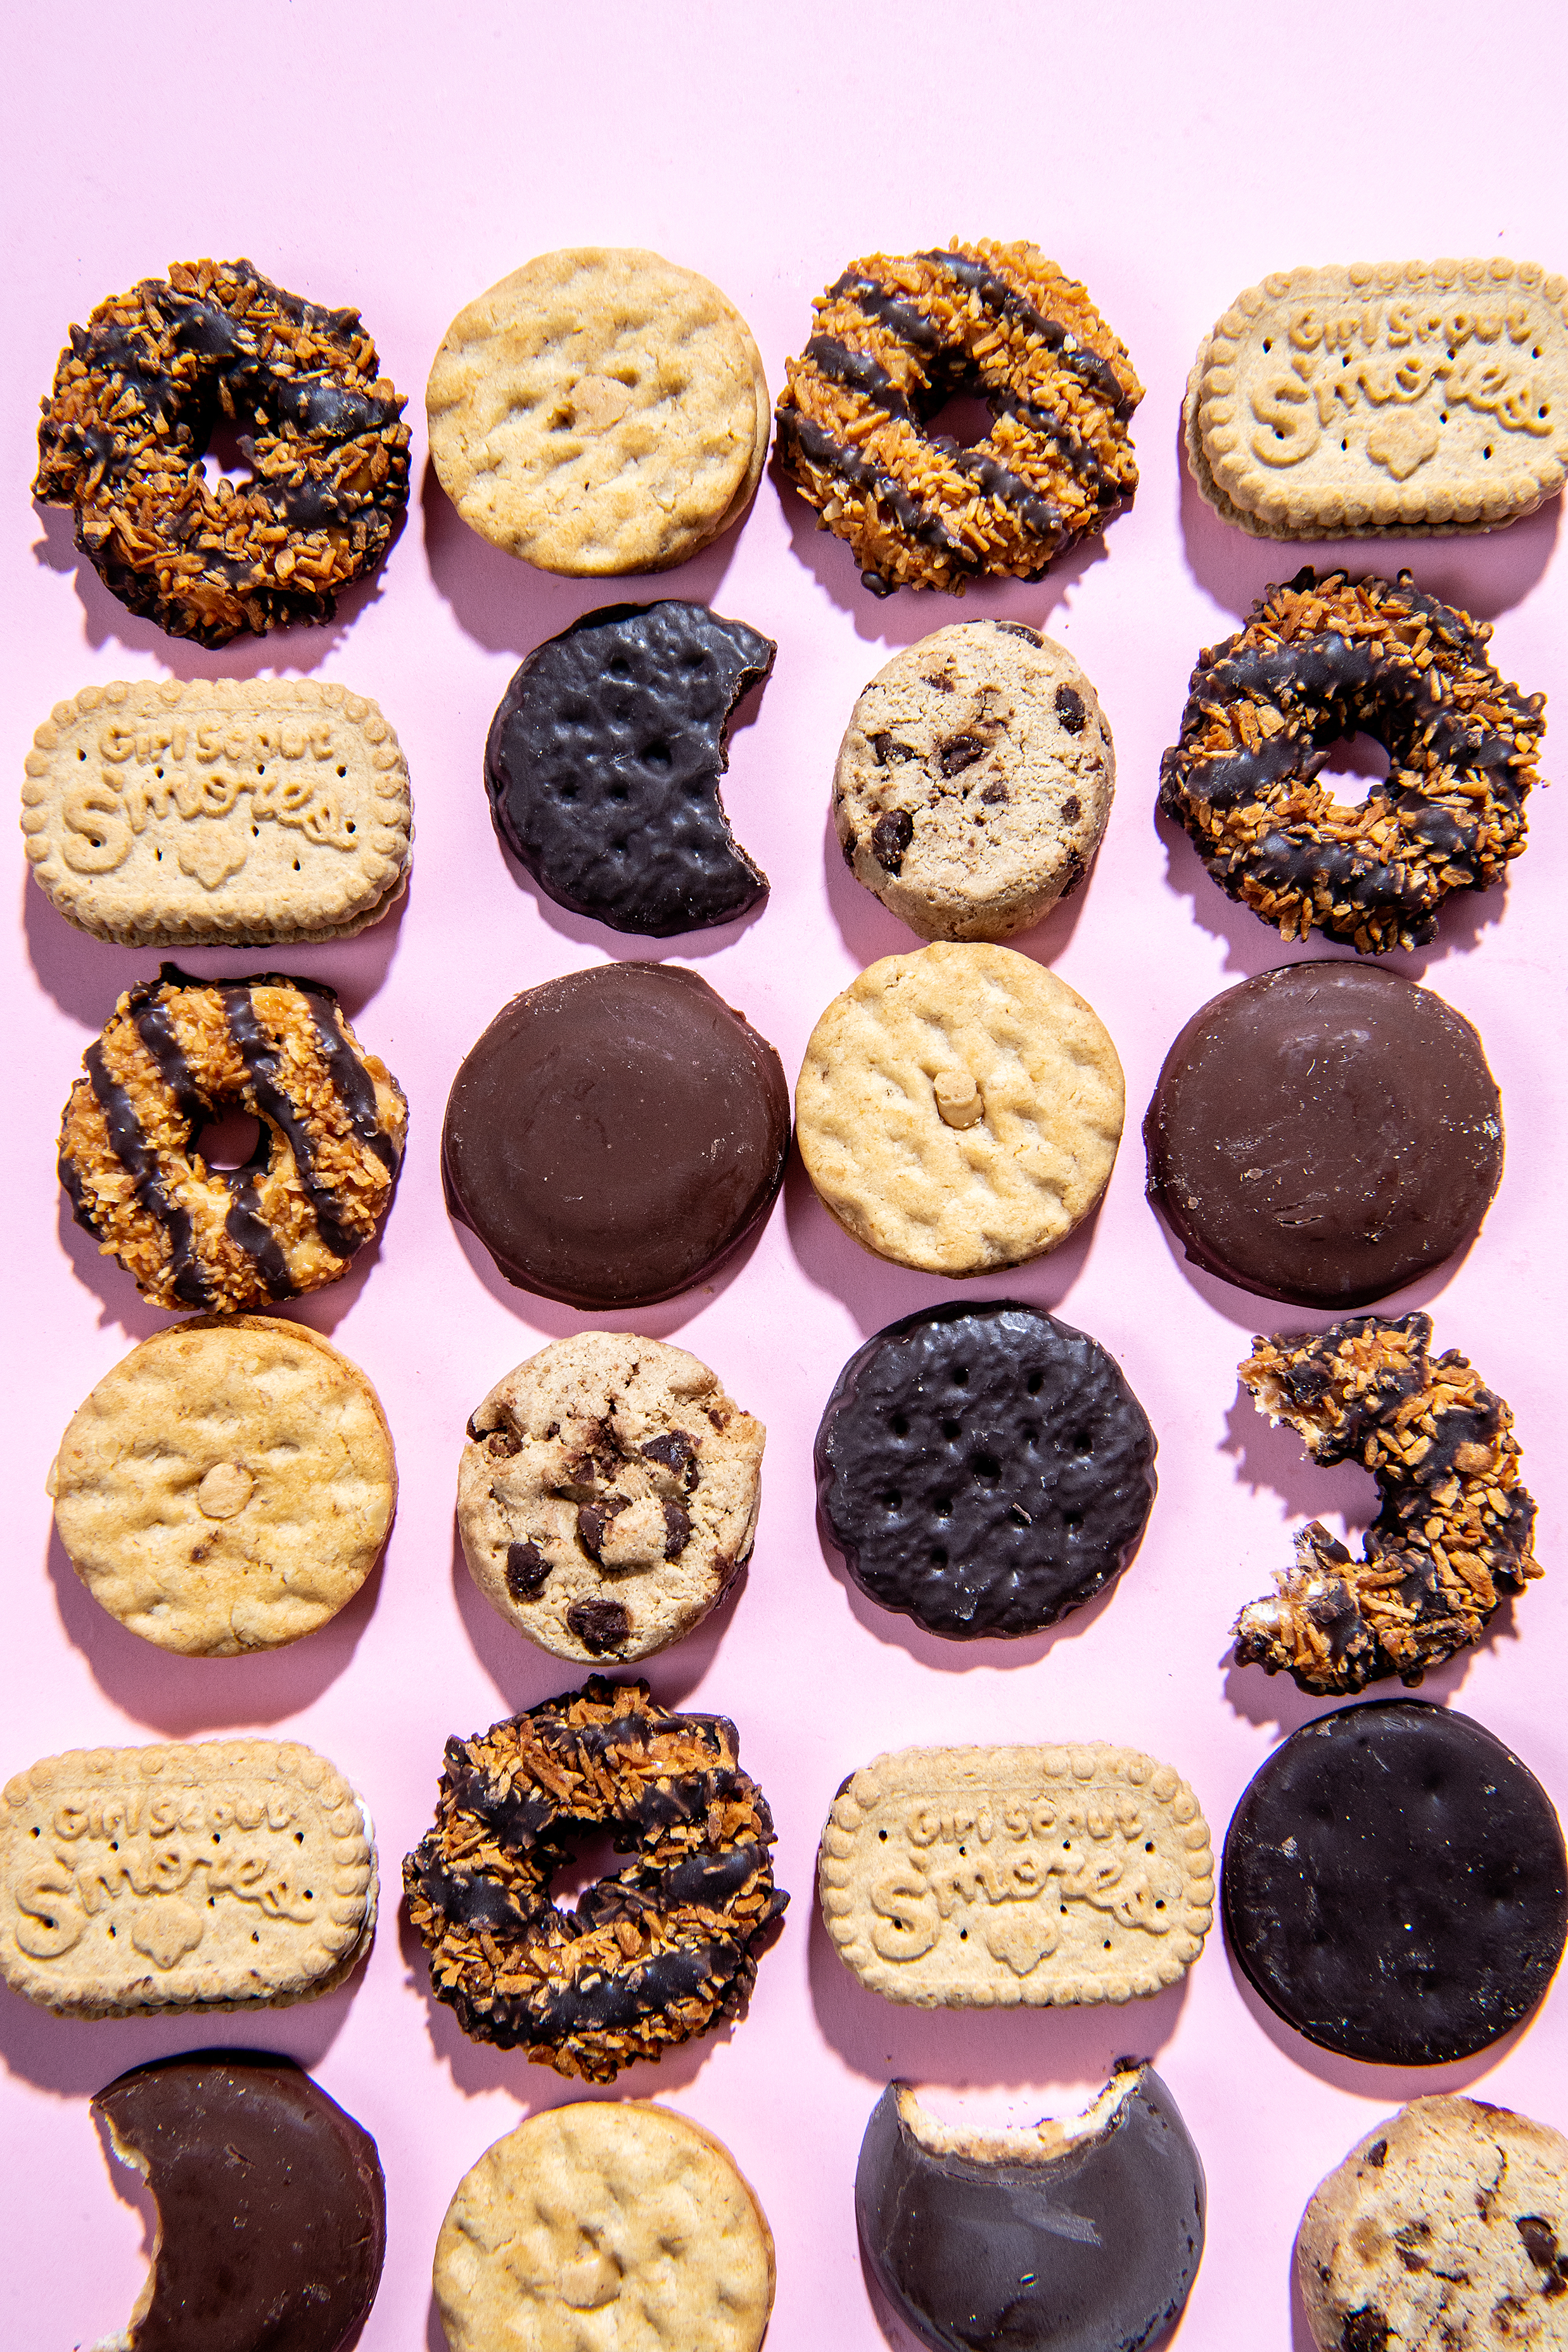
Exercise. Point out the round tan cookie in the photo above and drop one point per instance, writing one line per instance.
(599, 411)
(227, 1487)
(958, 1109)
(607, 2223)
(608, 1495)
(1447, 2224)
(973, 781)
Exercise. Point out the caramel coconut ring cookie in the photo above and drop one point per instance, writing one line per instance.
(608, 1496)
(665, 1950)
(599, 411)
(959, 1110)
(892, 340)
(177, 1054)
(973, 781)
(1320, 660)
(1453, 1532)
(134, 404)
(227, 1487)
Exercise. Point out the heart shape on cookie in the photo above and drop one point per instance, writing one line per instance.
(212, 854)
(1403, 442)
(1021, 1939)
(166, 1930)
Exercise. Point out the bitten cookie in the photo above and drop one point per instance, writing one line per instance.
(227, 1487)
(603, 764)
(608, 1496)
(959, 1110)
(983, 1877)
(984, 1469)
(222, 813)
(1447, 2224)
(233, 1873)
(973, 781)
(599, 411)
(612, 2223)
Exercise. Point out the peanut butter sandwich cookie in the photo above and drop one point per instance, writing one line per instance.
(973, 781)
(608, 1496)
(958, 1109)
(607, 2222)
(1386, 400)
(227, 1487)
(222, 813)
(988, 1877)
(599, 411)
(236, 1874)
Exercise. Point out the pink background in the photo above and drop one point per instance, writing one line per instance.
(403, 160)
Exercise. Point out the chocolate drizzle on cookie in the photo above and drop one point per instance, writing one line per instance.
(134, 404)
(895, 341)
(660, 1952)
(178, 1052)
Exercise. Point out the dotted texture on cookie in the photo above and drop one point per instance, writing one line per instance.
(1323, 1134)
(1319, 661)
(614, 1133)
(133, 406)
(984, 1469)
(229, 1486)
(600, 410)
(1446, 2223)
(603, 763)
(893, 340)
(617, 2223)
(959, 1110)
(1394, 1884)
(973, 781)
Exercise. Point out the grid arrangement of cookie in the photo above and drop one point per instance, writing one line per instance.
(230, 1486)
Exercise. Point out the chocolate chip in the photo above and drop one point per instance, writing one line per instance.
(1070, 809)
(503, 1444)
(527, 1568)
(678, 1529)
(474, 1432)
(1539, 2241)
(851, 843)
(994, 792)
(960, 751)
(600, 1625)
(891, 837)
(1364, 2331)
(1377, 2154)
(674, 1450)
(592, 1518)
(1017, 629)
(1070, 708)
(888, 749)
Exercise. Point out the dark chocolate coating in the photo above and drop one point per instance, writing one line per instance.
(271, 2207)
(1394, 1884)
(614, 1133)
(603, 764)
(1094, 2250)
(1324, 1134)
(984, 1469)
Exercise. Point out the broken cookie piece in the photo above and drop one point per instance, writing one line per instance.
(1453, 1532)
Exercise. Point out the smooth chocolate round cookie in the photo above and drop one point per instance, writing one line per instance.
(984, 1469)
(1323, 1134)
(271, 2207)
(614, 1133)
(1394, 1884)
(603, 765)
(1084, 2237)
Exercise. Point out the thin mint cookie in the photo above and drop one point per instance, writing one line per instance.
(603, 765)
(984, 1469)
(600, 410)
(1394, 1884)
(608, 2222)
(973, 781)
(229, 1486)
(608, 1495)
(959, 1110)
(1447, 2224)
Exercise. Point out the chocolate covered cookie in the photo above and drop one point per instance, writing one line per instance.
(603, 765)
(1082, 2236)
(613, 1135)
(1394, 1884)
(984, 1469)
(1324, 1134)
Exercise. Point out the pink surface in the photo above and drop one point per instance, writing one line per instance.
(404, 161)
